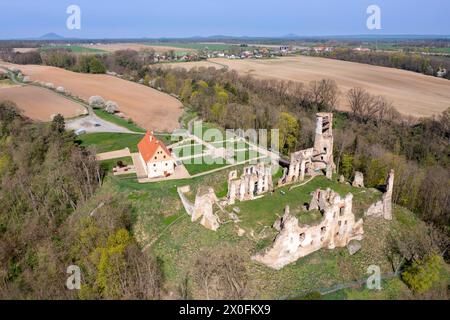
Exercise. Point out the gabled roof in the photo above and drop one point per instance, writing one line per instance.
(149, 145)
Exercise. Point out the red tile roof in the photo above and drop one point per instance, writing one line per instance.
(148, 145)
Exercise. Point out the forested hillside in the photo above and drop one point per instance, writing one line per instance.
(52, 215)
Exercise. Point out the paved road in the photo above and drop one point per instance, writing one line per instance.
(92, 123)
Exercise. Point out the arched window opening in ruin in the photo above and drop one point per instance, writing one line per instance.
(323, 230)
(302, 237)
(341, 211)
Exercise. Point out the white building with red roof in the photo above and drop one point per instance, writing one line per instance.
(156, 158)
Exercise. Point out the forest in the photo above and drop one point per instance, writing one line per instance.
(47, 182)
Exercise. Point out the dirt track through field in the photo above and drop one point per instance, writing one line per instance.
(411, 93)
(39, 103)
(148, 107)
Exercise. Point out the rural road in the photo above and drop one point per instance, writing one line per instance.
(90, 123)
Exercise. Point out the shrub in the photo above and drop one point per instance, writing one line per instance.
(422, 274)
(97, 102)
(111, 107)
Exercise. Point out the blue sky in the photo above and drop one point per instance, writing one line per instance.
(181, 18)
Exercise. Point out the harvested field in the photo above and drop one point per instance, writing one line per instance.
(149, 108)
(193, 64)
(411, 93)
(24, 50)
(40, 104)
(111, 47)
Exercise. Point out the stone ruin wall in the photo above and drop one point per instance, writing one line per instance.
(294, 240)
(320, 157)
(383, 208)
(202, 208)
(256, 180)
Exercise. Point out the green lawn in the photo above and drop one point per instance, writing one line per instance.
(206, 133)
(263, 212)
(189, 150)
(105, 142)
(108, 165)
(207, 165)
(74, 48)
(119, 121)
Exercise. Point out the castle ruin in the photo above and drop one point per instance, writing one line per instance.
(318, 158)
(383, 208)
(202, 207)
(337, 229)
(256, 180)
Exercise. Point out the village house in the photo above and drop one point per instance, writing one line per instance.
(155, 157)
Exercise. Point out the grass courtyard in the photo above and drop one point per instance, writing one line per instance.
(105, 142)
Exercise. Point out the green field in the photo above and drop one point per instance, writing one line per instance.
(73, 48)
(195, 45)
(128, 124)
(105, 142)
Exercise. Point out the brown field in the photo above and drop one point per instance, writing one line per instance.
(190, 65)
(148, 107)
(40, 104)
(111, 47)
(24, 50)
(411, 93)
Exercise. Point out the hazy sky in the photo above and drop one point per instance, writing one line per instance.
(181, 18)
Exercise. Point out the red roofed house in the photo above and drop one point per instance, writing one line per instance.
(156, 158)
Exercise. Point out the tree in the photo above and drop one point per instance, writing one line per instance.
(324, 94)
(221, 274)
(347, 165)
(289, 130)
(58, 124)
(96, 102)
(422, 274)
(111, 107)
(95, 66)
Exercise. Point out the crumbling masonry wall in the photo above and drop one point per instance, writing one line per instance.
(256, 180)
(320, 157)
(202, 208)
(383, 208)
(294, 241)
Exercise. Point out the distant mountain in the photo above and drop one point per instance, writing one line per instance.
(51, 36)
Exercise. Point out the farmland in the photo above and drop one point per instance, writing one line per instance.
(40, 104)
(149, 108)
(411, 93)
(112, 47)
(74, 48)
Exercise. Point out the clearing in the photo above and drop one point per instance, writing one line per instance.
(39, 103)
(411, 93)
(149, 108)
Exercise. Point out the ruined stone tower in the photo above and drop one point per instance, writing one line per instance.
(383, 208)
(323, 143)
